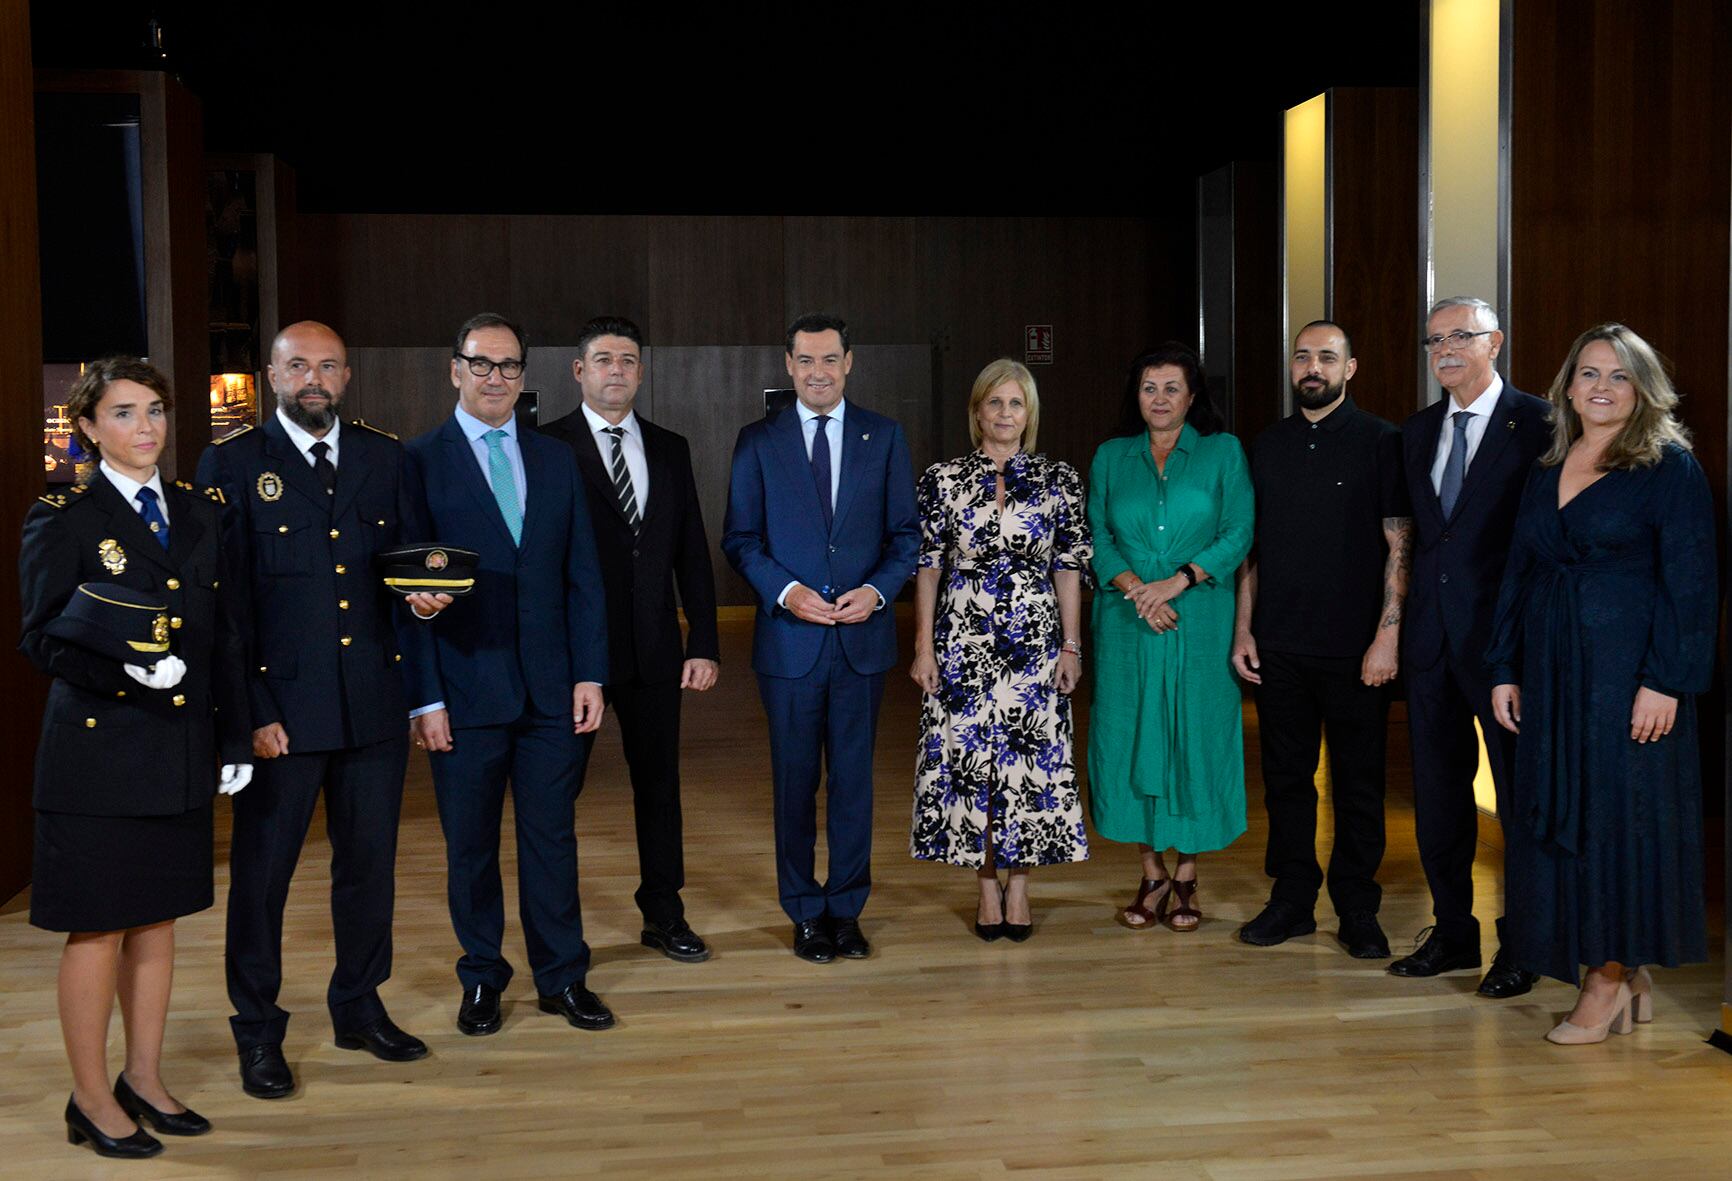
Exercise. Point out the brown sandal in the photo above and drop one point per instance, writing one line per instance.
(1183, 893)
(1139, 909)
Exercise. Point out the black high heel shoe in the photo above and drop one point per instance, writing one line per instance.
(1017, 932)
(79, 1130)
(989, 932)
(168, 1123)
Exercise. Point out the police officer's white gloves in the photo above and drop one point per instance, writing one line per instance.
(235, 776)
(164, 674)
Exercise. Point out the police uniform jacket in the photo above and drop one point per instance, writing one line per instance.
(321, 647)
(110, 746)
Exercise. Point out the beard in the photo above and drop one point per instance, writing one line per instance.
(313, 420)
(1317, 397)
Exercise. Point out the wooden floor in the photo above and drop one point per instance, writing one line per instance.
(1089, 1051)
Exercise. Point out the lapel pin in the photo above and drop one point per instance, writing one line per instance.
(1510, 425)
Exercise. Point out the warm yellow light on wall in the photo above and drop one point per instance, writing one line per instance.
(1304, 215)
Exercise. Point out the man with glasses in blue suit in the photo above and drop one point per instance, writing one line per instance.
(821, 523)
(505, 684)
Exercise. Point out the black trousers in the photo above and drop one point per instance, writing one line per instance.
(649, 727)
(1442, 703)
(1302, 698)
(363, 789)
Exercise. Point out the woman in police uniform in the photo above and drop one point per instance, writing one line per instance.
(129, 756)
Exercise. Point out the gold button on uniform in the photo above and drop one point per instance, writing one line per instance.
(174, 584)
(342, 604)
(179, 700)
(90, 723)
(120, 692)
(282, 528)
(397, 659)
(346, 641)
(336, 533)
(381, 520)
(342, 569)
(264, 668)
(176, 621)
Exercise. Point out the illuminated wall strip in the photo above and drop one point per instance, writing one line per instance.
(1304, 220)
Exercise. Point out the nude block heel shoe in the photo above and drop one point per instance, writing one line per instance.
(1618, 1021)
(1641, 996)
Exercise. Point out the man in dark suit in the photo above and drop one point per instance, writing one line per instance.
(1467, 458)
(310, 500)
(821, 523)
(649, 533)
(505, 685)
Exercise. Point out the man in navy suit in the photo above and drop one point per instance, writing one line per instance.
(505, 685)
(1467, 460)
(821, 523)
(309, 501)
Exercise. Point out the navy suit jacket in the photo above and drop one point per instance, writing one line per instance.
(321, 645)
(1458, 563)
(536, 622)
(774, 534)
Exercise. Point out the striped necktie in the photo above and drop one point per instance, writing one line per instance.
(622, 488)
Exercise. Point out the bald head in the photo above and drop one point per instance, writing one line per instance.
(309, 370)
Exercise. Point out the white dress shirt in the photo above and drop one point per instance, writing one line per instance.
(303, 441)
(476, 432)
(1481, 408)
(631, 443)
(832, 432)
(128, 488)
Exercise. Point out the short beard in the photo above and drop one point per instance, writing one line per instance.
(314, 422)
(1317, 399)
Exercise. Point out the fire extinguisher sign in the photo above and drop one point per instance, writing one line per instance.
(1037, 344)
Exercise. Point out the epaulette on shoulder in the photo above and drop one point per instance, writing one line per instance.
(54, 499)
(215, 494)
(367, 426)
(231, 436)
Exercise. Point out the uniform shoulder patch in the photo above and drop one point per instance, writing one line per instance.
(183, 484)
(367, 426)
(54, 499)
(231, 436)
(215, 494)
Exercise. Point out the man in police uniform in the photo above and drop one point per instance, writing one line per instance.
(311, 500)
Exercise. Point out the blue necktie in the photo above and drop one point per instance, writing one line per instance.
(821, 465)
(1455, 466)
(504, 484)
(153, 515)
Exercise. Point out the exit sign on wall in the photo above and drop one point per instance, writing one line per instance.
(1037, 344)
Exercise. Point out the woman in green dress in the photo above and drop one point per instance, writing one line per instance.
(1170, 506)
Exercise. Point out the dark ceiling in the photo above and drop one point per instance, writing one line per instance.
(759, 109)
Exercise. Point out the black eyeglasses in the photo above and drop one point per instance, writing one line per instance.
(482, 366)
(1455, 340)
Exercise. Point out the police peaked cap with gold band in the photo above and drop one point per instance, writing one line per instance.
(429, 570)
(114, 621)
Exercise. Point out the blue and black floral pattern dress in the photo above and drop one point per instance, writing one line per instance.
(995, 745)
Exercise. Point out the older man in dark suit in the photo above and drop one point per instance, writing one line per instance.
(649, 533)
(505, 685)
(1467, 458)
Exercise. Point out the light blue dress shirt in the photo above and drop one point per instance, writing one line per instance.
(476, 432)
(833, 432)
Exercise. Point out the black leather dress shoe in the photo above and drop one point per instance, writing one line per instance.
(579, 1006)
(264, 1074)
(80, 1130)
(478, 1015)
(385, 1041)
(169, 1123)
(1437, 955)
(677, 941)
(812, 942)
(850, 943)
(1279, 922)
(1363, 937)
(1504, 980)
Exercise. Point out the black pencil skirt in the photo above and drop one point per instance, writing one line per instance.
(110, 873)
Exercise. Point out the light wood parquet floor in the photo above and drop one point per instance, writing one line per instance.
(1090, 1051)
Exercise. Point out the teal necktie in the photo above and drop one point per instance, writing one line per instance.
(504, 484)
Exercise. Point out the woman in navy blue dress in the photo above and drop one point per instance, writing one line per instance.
(1605, 632)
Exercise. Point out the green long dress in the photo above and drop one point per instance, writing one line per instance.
(1166, 751)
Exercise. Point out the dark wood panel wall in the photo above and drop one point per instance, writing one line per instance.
(1374, 151)
(20, 434)
(963, 287)
(1619, 191)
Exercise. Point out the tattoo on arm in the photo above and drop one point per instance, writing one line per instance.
(1398, 532)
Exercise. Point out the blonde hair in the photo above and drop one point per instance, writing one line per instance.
(1652, 423)
(993, 376)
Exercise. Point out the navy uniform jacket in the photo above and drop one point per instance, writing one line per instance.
(1458, 563)
(640, 569)
(536, 622)
(110, 746)
(322, 653)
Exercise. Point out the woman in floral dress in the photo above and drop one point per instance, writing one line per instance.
(1005, 540)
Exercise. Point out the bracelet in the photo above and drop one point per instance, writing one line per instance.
(1073, 647)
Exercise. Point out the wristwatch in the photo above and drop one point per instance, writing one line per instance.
(1189, 574)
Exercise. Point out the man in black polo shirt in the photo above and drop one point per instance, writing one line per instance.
(1318, 632)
